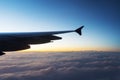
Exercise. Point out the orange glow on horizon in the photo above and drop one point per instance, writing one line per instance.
(68, 49)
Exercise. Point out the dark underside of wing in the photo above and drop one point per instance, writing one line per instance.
(12, 43)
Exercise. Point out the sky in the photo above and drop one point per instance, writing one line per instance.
(100, 18)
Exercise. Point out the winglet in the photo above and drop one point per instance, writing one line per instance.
(79, 30)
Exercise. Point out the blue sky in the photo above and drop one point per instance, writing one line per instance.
(100, 18)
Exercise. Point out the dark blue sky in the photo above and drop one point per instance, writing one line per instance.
(100, 17)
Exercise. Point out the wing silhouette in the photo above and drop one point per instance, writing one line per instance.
(23, 40)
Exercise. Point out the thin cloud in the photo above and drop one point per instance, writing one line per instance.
(61, 66)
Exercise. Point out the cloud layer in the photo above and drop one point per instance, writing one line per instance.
(60, 66)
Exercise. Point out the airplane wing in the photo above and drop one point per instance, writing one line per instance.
(22, 41)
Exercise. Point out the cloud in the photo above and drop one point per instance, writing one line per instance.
(60, 66)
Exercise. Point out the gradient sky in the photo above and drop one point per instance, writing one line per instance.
(100, 17)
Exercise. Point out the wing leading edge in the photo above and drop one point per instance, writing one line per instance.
(22, 41)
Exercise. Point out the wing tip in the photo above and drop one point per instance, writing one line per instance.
(79, 30)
